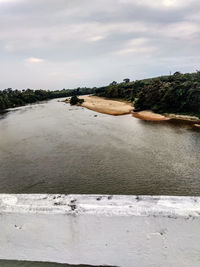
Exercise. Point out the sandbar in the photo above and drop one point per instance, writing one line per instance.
(107, 106)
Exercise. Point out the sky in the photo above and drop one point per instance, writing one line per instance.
(56, 44)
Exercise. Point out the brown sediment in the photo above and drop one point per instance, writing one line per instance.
(183, 117)
(149, 115)
(107, 106)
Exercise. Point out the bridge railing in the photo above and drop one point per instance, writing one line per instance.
(128, 231)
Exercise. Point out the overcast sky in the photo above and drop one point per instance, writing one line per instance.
(55, 44)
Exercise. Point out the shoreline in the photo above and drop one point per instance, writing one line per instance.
(149, 115)
(119, 107)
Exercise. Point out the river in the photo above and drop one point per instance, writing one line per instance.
(52, 147)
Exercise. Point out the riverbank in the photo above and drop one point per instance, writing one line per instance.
(194, 119)
(107, 106)
(121, 107)
(149, 115)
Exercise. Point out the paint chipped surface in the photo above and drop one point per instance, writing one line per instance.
(163, 206)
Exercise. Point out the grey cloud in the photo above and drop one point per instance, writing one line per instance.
(90, 42)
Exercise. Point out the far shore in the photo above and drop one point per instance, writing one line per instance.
(120, 107)
(149, 115)
(107, 106)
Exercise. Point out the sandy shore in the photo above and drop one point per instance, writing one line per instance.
(106, 106)
(149, 115)
(183, 117)
(120, 107)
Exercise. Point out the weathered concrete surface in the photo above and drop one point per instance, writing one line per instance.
(101, 230)
(4, 263)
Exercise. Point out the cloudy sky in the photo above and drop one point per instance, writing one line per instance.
(55, 44)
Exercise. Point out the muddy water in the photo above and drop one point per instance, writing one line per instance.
(52, 147)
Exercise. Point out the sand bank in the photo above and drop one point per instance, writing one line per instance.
(121, 107)
(149, 115)
(107, 106)
(183, 117)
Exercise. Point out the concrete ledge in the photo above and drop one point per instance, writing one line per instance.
(107, 205)
(146, 231)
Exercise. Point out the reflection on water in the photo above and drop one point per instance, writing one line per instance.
(55, 148)
(3, 115)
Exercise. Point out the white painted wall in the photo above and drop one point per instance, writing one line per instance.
(127, 231)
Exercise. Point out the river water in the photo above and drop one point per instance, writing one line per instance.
(51, 147)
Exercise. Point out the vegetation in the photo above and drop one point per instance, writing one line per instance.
(177, 93)
(13, 98)
(75, 100)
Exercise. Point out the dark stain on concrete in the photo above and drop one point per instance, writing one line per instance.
(5, 263)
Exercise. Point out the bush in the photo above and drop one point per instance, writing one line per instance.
(75, 100)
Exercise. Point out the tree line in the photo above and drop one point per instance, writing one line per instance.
(177, 93)
(13, 98)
